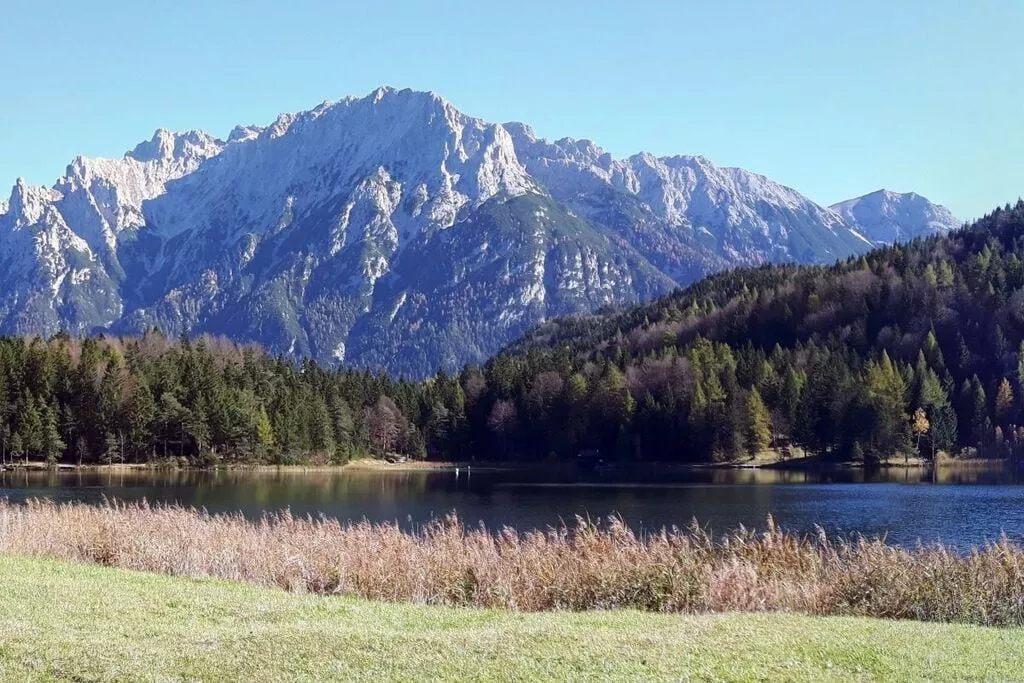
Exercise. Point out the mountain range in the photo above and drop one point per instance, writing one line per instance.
(393, 231)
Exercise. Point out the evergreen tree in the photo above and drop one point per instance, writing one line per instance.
(264, 432)
(111, 449)
(789, 401)
(51, 445)
(758, 431)
(611, 406)
(886, 398)
(31, 428)
(139, 416)
(1004, 402)
(321, 429)
(979, 421)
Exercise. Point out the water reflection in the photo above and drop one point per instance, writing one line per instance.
(960, 505)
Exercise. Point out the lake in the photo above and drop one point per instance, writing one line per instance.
(961, 507)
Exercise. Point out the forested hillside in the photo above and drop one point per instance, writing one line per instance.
(911, 349)
(204, 402)
(907, 349)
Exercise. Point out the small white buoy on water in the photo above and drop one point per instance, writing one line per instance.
(456, 472)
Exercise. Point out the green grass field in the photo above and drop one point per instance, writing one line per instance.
(70, 622)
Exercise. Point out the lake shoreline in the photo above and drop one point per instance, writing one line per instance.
(802, 464)
(361, 465)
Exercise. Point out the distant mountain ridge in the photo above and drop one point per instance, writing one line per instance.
(885, 217)
(394, 231)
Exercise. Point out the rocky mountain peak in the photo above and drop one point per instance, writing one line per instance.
(394, 231)
(244, 133)
(165, 146)
(884, 216)
(28, 203)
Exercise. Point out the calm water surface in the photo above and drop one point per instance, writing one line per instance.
(963, 507)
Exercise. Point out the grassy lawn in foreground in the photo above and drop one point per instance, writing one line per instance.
(72, 622)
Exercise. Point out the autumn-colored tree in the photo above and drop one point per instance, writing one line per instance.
(919, 426)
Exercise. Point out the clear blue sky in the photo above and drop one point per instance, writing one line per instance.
(833, 98)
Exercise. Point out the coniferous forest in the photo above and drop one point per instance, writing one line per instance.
(909, 350)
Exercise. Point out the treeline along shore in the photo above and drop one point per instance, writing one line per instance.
(908, 351)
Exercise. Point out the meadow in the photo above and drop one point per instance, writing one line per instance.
(62, 621)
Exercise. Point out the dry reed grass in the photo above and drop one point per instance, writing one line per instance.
(586, 567)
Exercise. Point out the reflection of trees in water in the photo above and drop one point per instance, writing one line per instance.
(249, 491)
(328, 484)
(284, 489)
(977, 473)
(505, 497)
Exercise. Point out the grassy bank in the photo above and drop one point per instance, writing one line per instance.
(583, 568)
(62, 621)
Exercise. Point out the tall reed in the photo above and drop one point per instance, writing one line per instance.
(588, 566)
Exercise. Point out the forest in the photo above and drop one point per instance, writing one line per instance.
(909, 350)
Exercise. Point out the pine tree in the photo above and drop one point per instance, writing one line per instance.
(964, 355)
(111, 448)
(792, 388)
(933, 354)
(886, 396)
(979, 412)
(819, 411)
(171, 416)
(111, 397)
(611, 406)
(757, 427)
(1004, 402)
(52, 446)
(578, 423)
(321, 429)
(140, 413)
(31, 428)
(698, 419)
(5, 426)
(264, 432)
(341, 419)
(932, 397)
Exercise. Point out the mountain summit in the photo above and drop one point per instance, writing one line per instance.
(394, 231)
(885, 217)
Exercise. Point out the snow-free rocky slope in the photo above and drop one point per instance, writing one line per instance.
(394, 231)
